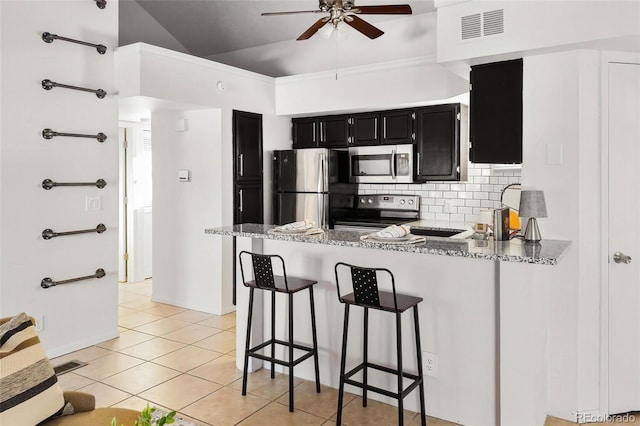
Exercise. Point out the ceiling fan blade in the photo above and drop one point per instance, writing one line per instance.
(290, 13)
(391, 9)
(314, 28)
(363, 26)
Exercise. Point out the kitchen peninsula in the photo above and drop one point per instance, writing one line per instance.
(483, 316)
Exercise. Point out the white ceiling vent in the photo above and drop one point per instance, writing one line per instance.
(493, 22)
(471, 26)
(482, 25)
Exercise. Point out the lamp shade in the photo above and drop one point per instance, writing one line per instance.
(532, 204)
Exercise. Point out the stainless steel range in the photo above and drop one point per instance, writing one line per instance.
(377, 211)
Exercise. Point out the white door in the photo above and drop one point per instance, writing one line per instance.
(624, 237)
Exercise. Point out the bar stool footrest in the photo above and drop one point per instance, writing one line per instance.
(414, 384)
(253, 353)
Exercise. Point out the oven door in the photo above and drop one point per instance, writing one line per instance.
(381, 164)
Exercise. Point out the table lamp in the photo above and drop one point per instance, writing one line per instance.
(532, 205)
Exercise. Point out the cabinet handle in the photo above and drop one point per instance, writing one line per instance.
(314, 132)
(413, 136)
(418, 161)
(241, 159)
(322, 138)
(375, 128)
(384, 128)
(241, 206)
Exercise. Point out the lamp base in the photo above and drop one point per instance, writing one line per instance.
(532, 232)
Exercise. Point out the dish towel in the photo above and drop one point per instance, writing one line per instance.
(303, 227)
(394, 234)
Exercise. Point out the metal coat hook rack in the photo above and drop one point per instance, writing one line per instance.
(48, 184)
(48, 85)
(50, 134)
(48, 282)
(48, 234)
(49, 38)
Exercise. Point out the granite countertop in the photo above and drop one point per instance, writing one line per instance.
(547, 252)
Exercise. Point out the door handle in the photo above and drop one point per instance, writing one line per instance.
(418, 162)
(241, 159)
(241, 204)
(621, 258)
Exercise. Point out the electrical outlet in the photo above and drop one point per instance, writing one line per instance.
(39, 322)
(430, 364)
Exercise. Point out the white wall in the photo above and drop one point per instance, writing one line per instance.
(186, 271)
(562, 106)
(189, 81)
(393, 84)
(79, 314)
(404, 38)
(538, 24)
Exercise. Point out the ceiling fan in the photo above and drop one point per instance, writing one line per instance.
(345, 11)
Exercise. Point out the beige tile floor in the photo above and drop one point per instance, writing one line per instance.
(183, 360)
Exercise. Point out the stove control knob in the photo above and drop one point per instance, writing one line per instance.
(362, 200)
(370, 201)
(410, 202)
(402, 202)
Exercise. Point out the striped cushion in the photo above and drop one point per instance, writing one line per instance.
(29, 390)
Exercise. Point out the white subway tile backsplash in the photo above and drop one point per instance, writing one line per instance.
(456, 218)
(455, 201)
(480, 195)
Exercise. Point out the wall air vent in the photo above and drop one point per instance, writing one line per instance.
(482, 25)
(471, 26)
(493, 22)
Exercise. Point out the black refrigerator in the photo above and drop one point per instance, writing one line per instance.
(312, 184)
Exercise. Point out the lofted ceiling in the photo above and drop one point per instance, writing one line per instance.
(210, 27)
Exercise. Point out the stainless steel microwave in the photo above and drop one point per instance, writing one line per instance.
(381, 164)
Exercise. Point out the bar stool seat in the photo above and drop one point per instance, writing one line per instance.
(367, 295)
(266, 280)
(386, 301)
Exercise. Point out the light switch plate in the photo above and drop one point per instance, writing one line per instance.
(93, 203)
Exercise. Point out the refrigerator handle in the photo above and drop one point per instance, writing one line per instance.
(321, 187)
(240, 196)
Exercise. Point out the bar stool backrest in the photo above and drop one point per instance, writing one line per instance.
(262, 269)
(364, 283)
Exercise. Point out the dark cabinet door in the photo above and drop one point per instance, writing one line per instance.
(247, 138)
(438, 145)
(334, 131)
(305, 132)
(398, 127)
(364, 129)
(496, 112)
(248, 203)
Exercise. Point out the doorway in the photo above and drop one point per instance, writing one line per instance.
(136, 202)
(623, 251)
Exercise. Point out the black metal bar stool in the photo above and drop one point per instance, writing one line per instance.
(264, 279)
(365, 293)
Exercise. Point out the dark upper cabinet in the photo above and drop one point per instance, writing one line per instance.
(334, 131)
(364, 129)
(305, 132)
(496, 112)
(437, 150)
(398, 127)
(248, 203)
(247, 134)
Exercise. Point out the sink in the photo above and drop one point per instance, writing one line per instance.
(436, 232)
